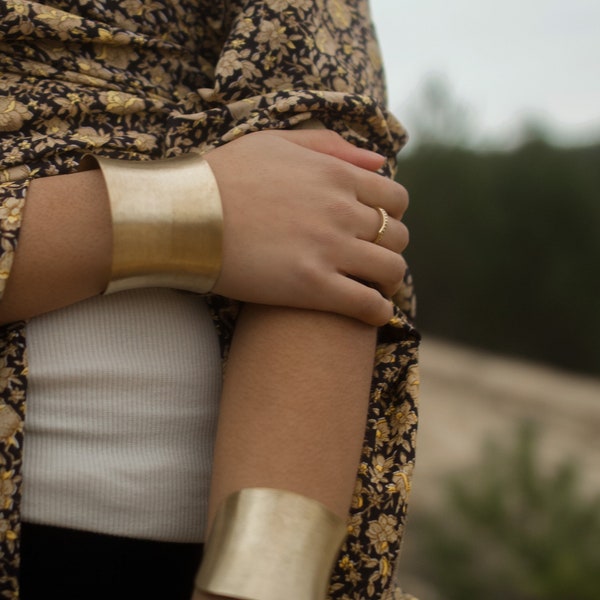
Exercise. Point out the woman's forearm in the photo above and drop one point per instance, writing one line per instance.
(64, 251)
(293, 408)
(294, 405)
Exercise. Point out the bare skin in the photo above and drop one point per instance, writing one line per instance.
(293, 409)
(298, 226)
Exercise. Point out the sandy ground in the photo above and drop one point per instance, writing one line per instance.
(468, 396)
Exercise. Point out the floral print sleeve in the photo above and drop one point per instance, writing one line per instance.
(142, 80)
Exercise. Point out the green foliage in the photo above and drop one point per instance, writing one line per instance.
(505, 249)
(511, 531)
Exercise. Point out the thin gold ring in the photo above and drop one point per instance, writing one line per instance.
(385, 219)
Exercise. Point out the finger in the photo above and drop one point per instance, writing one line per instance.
(331, 143)
(368, 262)
(400, 283)
(394, 236)
(354, 299)
(375, 190)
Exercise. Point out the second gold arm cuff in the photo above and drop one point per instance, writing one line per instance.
(268, 544)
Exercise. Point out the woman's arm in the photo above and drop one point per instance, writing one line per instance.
(286, 241)
(294, 405)
(64, 251)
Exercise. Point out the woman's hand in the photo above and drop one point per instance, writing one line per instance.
(300, 219)
(299, 225)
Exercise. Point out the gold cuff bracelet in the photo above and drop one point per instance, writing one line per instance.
(167, 223)
(268, 544)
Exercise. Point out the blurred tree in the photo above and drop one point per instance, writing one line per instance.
(505, 249)
(437, 117)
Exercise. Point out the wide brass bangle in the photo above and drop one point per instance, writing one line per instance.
(167, 223)
(268, 544)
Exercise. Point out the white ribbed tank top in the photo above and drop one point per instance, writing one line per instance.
(122, 405)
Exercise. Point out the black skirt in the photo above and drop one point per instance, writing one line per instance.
(80, 565)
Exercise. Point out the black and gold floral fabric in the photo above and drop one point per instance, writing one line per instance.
(147, 79)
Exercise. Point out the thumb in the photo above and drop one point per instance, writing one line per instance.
(333, 144)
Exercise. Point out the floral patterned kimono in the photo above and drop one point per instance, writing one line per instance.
(146, 79)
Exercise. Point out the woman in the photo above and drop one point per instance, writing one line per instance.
(134, 81)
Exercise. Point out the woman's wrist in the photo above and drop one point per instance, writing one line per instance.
(167, 223)
(268, 544)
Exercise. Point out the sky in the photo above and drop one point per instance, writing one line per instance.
(507, 61)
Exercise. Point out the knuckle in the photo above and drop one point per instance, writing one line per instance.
(335, 169)
(332, 138)
(324, 239)
(326, 141)
(342, 208)
(397, 237)
(398, 270)
(404, 237)
(310, 276)
(368, 307)
(402, 198)
(331, 135)
(403, 192)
